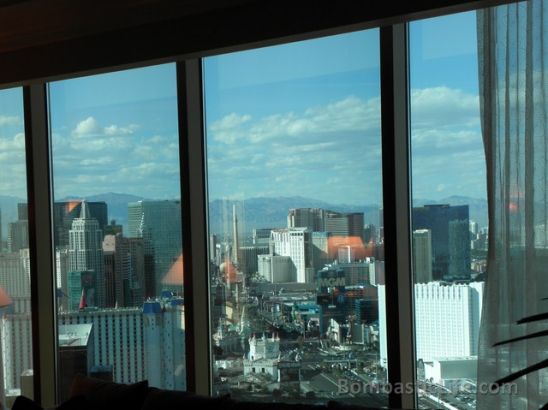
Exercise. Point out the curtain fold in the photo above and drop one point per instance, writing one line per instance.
(512, 54)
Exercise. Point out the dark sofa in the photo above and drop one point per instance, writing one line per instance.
(95, 394)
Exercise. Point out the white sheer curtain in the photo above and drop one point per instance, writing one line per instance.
(513, 51)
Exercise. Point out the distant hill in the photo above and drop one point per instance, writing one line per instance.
(272, 212)
(252, 213)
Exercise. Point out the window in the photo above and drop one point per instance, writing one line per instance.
(294, 231)
(117, 233)
(449, 216)
(15, 311)
(295, 226)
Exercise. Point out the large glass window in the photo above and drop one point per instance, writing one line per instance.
(449, 217)
(295, 221)
(15, 311)
(117, 227)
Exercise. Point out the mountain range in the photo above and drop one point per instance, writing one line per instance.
(252, 213)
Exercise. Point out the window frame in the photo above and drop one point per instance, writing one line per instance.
(396, 197)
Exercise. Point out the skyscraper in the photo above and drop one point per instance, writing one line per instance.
(447, 320)
(164, 337)
(18, 235)
(422, 255)
(117, 339)
(159, 224)
(437, 219)
(295, 243)
(311, 218)
(65, 212)
(235, 238)
(459, 249)
(86, 250)
(344, 224)
(15, 273)
(126, 261)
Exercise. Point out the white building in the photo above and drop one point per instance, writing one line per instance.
(15, 273)
(450, 372)
(276, 269)
(263, 356)
(164, 329)
(447, 320)
(16, 334)
(295, 243)
(118, 340)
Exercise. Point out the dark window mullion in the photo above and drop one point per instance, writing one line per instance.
(396, 192)
(39, 187)
(194, 216)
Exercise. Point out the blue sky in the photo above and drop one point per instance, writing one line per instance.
(298, 119)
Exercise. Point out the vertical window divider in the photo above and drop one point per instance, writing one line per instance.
(39, 186)
(194, 208)
(397, 216)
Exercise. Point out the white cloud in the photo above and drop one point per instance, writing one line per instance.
(227, 129)
(16, 143)
(96, 161)
(91, 127)
(117, 130)
(87, 127)
(9, 120)
(350, 114)
(443, 107)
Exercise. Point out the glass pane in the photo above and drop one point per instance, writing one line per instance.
(295, 228)
(117, 217)
(449, 218)
(15, 311)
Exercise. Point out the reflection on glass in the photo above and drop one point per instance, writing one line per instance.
(295, 221)
(117, 228)
(449, 218)
(15, 312)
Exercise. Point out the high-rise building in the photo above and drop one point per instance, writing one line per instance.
(65, 212)
(15, 273)
(82, 287)
(369, 233)
(117, 338)
(275, 268)
(235, 237)
(247, 258)
(320, 250)
(124, 257)
(61, 270)
(261, 236)
(22, 211)
(75, 355)
(447, 320)
(16, 334)
(437, 219)
(311, 218)
(86, 250)
(164, 331)
(422, 255)
(295, 243)
(344, 224)
(18, 235)
(474, 227)
(159, 224)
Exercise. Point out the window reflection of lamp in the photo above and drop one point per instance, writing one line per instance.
(5, 301)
